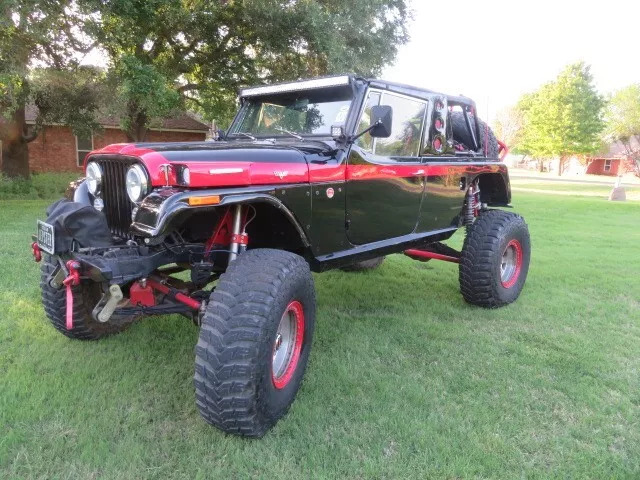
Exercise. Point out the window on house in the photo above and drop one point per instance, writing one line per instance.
(84, 144)
(607, 165)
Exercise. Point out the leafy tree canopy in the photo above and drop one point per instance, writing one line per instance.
(623, 121)
(623, 114)
(508, 125)
(39, 46)
(164, 52)
(564, 117)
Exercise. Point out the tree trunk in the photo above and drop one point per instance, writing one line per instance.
(137, 131)
(15, 153)
(561, 161)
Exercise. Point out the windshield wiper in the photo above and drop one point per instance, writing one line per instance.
(289, 132)
(248, 135)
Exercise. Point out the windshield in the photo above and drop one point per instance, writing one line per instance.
(303, 113)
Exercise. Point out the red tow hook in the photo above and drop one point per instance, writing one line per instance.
(37, 254)
(72, 279)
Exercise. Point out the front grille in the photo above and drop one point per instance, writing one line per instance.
(117, 206)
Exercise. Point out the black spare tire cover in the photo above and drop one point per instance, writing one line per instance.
(77, 222)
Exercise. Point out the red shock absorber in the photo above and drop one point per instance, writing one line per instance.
(234, 247)
(230, 231)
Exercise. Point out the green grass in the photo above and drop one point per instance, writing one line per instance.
(48, 186)
(405, 380)
(573, 187)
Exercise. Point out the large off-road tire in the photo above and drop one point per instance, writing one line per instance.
(371, 264)
(461, 134)
(495, 259)
(85, 297)
(255, 341)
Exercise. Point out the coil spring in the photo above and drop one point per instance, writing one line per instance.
(472, 205)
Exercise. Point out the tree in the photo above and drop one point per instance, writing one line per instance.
(169, 53)
(508, 125)
(44, 34)
(623, 122)
(564, 117)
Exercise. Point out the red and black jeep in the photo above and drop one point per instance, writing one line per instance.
(334, 172)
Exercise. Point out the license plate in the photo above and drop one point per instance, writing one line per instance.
(46, 238)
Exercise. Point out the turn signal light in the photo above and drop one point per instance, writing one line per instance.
(206, 200)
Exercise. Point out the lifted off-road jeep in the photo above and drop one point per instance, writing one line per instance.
(334, 172)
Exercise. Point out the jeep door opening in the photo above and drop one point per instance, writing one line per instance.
(332, 172)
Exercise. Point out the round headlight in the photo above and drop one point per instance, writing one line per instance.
(137, 183)
(94, 177)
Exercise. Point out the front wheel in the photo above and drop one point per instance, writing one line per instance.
(255, 341)
(495, 259)
(85, 297)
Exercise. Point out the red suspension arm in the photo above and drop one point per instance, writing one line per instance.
(180, 297)
(425, 254)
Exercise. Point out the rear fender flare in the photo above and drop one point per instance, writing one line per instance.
(495, 189)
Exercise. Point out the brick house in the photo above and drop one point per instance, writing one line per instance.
(57, 149)
(613, 161)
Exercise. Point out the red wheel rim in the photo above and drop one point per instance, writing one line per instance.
(511, 264)
(287, 345)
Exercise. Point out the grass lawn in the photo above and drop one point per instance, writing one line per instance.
(405, 380)
(566, 188)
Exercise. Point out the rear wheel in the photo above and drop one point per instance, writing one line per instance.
(85, 297)
(255, 341)
(364, 265)
(495, 259)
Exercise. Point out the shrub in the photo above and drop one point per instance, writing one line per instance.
(48, 186)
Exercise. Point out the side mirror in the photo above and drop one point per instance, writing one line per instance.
(220, 134)
(379, 126)
(381, 121)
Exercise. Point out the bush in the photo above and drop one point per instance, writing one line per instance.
(48, 186)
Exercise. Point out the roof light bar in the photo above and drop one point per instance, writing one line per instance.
(296, 86)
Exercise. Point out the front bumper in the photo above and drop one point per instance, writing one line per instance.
(124, 265)
(77, 232)
(115, 265)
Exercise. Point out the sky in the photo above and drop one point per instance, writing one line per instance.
(494, 51)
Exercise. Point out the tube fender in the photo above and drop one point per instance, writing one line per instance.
(160, 210)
